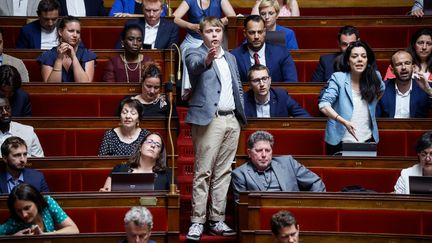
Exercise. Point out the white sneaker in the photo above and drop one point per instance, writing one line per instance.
(220, 228)
(195, 232)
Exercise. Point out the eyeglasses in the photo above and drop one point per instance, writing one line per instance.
(264, 80)
(150, 141)
(424, 155)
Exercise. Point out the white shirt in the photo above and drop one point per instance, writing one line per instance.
(150, 34)
(402, 107)
(263, 110)
(34, 148)
(360, 119)
(48, 39)
(402, 184)
(261, 56)
(19, 7)
(76, 8)
(226, 99)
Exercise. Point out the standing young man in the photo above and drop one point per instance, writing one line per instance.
(216, 114)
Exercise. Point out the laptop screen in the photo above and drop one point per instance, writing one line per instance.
(124, 181)
(420, 184)
(359, 149)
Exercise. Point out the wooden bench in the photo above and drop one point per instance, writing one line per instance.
(256, 236)
(340, 212)
(162, 57)
(159, 237)
(377, 31)
(306, 61)
(104, 212)
(82, 136)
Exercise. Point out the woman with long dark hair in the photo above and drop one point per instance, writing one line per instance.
(35, 214)
(350, 99)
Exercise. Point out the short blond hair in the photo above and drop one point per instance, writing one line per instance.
(212, 21)
(269, 3)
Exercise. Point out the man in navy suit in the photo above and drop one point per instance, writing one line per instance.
(41, 34)
(13, 173)
(328, 63)
(256, 51)
(263, 101)
(158, 32)
(91, 8)
(405, 97)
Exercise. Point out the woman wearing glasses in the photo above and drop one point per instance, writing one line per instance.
(149, 157)
(423, 168)
(269, 11)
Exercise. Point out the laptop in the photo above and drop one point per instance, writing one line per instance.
(124, 181)
(420, 184)
(427, 7)
(276, 37)
(368, 149)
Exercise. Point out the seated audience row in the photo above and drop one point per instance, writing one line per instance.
(79, 8)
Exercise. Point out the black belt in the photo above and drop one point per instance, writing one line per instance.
(224, 113)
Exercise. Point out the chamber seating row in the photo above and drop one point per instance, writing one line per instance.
(340, 212)
(82, 136)
(306, 61)
(257, 236)
(104, 212)
(378, 31)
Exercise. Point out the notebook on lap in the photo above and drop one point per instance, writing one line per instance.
(124, 181)
(420, 184)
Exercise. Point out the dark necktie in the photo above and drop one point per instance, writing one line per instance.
(256, 58)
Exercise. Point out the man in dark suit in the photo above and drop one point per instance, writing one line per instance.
(13, 173)
(41, 33)
(263, 172)
(256, 51)
(405, 97)
(91, 7)
(215, 114)
(158, 32)
(328, 63)
(263, 101)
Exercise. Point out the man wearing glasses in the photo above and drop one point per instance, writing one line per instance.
(263, 101)
(423, 168)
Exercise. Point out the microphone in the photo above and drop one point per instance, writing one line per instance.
(169, 90)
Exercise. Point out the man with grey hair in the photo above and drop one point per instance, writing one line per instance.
(262, 172)
(138, 225)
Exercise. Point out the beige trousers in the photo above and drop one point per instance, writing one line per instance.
(215, 147)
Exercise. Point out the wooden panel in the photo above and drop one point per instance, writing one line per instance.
(250, 236)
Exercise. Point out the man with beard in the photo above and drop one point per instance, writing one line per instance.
(41, 34)
(9, 128)
(407, 95)
(13, 173)
(257, 51)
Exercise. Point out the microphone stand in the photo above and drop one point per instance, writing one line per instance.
(169, 90)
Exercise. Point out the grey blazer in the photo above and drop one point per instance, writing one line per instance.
(291, 175)
(6, 8)
(206, 86)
